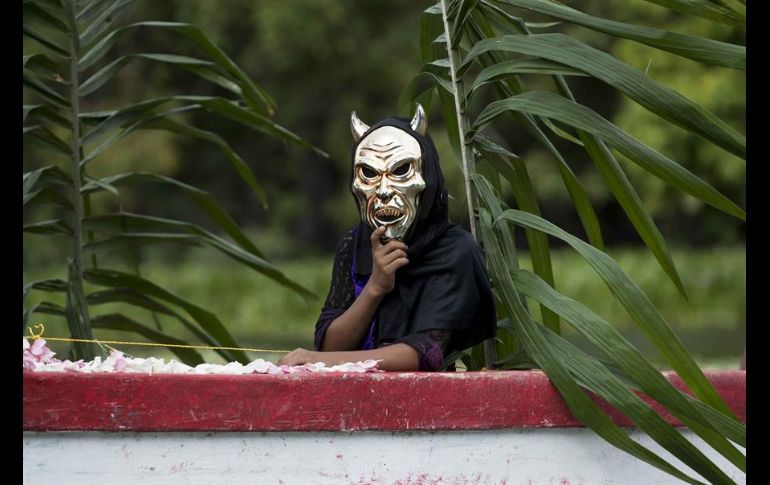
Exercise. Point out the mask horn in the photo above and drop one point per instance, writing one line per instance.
(357, 127)
(420, 121)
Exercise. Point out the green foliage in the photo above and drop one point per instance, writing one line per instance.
(574, 140)
(280, 46)
(310, 57)
(72, 55)
(721, 91)
(262, 313)
(494, 43)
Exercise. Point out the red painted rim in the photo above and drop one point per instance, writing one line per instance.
(315, 402)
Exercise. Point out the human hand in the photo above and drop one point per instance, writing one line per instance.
(386, 259)
(299, 357)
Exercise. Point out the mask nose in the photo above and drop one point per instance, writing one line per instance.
(384, 191)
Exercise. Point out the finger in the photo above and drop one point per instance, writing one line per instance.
(394, 244)
(375, 237)
(390, 257)
(392, 267)
(290, 358)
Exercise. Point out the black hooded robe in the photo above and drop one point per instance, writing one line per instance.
(442, 300)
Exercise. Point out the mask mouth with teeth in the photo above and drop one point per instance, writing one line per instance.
(388, 174)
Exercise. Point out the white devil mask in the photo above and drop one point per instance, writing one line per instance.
(388, 174)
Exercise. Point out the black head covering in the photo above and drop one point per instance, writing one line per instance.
(445, 285)
(432, 212)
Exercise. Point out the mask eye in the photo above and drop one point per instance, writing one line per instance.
(368, 173)
(402, 170)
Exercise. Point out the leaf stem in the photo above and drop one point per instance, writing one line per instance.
(461, 120)
(80, 313)
(490, 351)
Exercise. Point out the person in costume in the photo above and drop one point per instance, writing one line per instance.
(408, 287)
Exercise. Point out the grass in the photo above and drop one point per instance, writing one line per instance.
(262, 314)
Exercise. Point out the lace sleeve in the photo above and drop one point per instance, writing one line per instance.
(430, 346)
(341, 293)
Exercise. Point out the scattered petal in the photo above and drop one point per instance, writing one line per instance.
(38, 357)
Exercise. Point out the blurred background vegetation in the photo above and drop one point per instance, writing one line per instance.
(322, 59)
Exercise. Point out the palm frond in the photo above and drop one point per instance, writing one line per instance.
(488, 45)
(77, 38)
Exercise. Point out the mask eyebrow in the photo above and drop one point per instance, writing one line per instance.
(395, 163)
(382, 153)
(367, 164)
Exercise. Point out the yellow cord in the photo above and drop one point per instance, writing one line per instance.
(38, 335)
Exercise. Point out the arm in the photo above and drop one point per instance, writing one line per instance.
(422, 351)
(336, 340)
(396, 357)
(347, 330)
(342, 293)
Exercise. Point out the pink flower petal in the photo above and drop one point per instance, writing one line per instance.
(38, 347)
(39, 357)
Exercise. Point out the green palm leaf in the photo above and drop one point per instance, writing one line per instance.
(51, 226)
(138, 299)
(607, 339)
(42, 112)
(208, 322)
(255, 96)
(61, 82)
(507, 341)
(94, 7)
(139, 114)
(104, 20)
(196, 235)
(205, 69)
(553, 106)
(47, 176)
(46, 308)
(464, 9)
(714, 10)
(33, 11)
(624, 192)
(636, 303)
(547, 358)
(511, 86)
(598, 379)
(517, 176)
(46, 92)
(46, 139)
(696, 48)
(43, 65)
(48, 196)
(203, 199)
(45, 41)
(422, 82)
(507, 69)
(53, 284)
(160, 121)
(117, 321)
(659, 99)
(474, 27)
